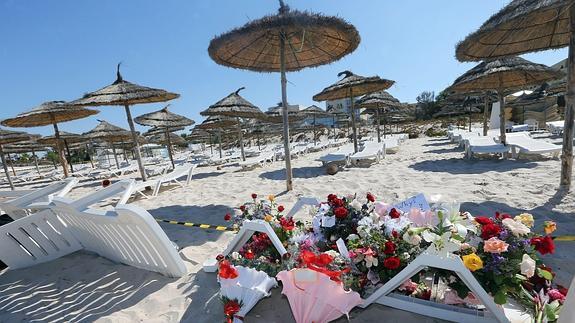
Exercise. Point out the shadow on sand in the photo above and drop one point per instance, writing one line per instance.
(464, 166)
(60, 294)
(301, 172)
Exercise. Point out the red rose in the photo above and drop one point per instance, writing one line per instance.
(337, 202)
(287, 224)
(544, 245)
(340, 212)
(226, 270)
(249, 255)
(389, 248)
(489, 231)
(394, 214)
(254, 196)
(106, 183)
(483, 220)
(281, 208)
(227, 217)
(220, 257)
(391, 263)
(231, 308)
(243, 208)
(502, 216)
(331, 197)
(370, 197)
(394, 234)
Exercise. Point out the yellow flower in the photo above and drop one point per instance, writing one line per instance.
(550, 227)
(269, 218)
(271, 198)
(526, 219)
(472, 262)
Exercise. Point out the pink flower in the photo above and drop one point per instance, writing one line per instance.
(556, 295)
(420, 218)
(381, 209)
(408, 286)
(494, 245)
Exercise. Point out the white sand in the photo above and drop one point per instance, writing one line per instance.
(83, 287)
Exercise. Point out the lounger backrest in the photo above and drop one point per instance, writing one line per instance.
(21, 206)
(35, 239)
(126, 234)
(301, 202)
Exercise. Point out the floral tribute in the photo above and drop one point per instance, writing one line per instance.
(362, 243)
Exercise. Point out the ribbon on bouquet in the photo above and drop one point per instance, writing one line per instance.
(319, 263)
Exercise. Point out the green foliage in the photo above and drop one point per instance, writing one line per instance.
(52, 156)
(427, 105)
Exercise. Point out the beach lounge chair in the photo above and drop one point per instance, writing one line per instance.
(391, 145)
(522, 143)
(139, 187)
(126, 234)
(484, 145)
(26, 204)
(372, 152)
(339, 156)
(555, 127)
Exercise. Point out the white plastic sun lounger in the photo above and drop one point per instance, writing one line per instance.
(484, 145)
(185, 171)
(555, 127)
(339, 156)
(522, 143)
(372, 152)
(391, 145)
(126, 234)
(26, 204)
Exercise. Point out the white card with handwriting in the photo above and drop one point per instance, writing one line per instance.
(418, 202)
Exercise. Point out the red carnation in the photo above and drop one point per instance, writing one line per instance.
(391, 263)
(544, 245)
(340, 212)
(370, 197)
(249, 254)
(394, 214)
(483, 220)
(323, 260)
(489, 231)
(227, 217)
(254, 196)
(287, 224)
(226, 270)
(281, 208)
(389, 248)
(231, 308)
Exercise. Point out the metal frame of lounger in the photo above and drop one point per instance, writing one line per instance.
(126, 234)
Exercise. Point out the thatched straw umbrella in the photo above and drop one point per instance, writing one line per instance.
(234, 105)
(379, 101)
(218, 124)
(24, 147)
(166, 120)
(335, 114)
(500, 75)
(111, 134)
(314, 111)
(525, 26)
(51, 113)
(124, 93)
(353, 86)
(8, 137)
(67, 138)
(288, 41)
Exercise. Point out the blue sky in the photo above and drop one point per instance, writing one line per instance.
(59, 50)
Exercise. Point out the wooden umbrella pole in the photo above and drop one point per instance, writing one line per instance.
(353, 127)
(314, 142)
(136, 143)
(169, 142)
(384, 122)
(69, 160)
(501, 116)
(220, 143)
(241, 139)
(567, 155)
(6, 168)
(89, 155)
(60, 149)
(377, 124)
(258, 140)
(124, 152)
(115, 155)
(36, 161)
(469, 118)
(12, 164)
(210, 142)
(485, 113)
(289, 180)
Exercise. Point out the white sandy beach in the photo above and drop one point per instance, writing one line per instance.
(83, 287)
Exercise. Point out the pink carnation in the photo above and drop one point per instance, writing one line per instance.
(381, 209)
(494, 245)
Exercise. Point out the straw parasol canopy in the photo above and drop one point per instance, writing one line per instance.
(156, 131)
(351, 86)
(500, 75)
(166, 121)
(110, 133)
(51, 113)
(124, 93)
(64, 135)
(10, 137)
(234, 105)
(287, 41)
(379, 101)
(314, 111)
(525, 26)
(160, 138)
(218, 123)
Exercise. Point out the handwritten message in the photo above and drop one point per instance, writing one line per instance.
(417, 201)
